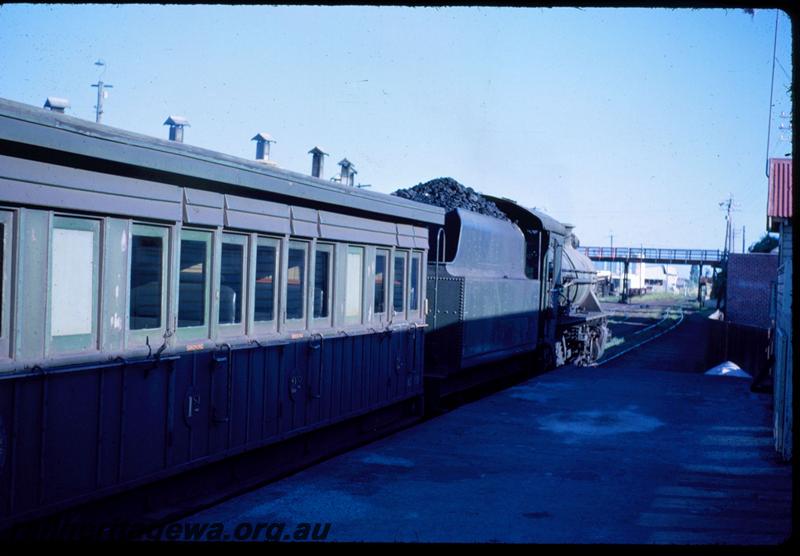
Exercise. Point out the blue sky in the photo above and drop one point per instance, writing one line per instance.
(636, 121)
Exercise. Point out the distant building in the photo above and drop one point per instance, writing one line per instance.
(603, 286)
(661, 278)
(751, 278)
(779, 219)
(706, 286)
(636, 278)
(683, 285)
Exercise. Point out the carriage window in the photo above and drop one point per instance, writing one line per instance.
(413, 292)
(354, 284)
(322, 275)
(2, 273)
(5, 270)
(381, 259)
(231, 284)
(146, 305)
(399, 282)
(296, 280)
(74, 271)
(193, 285)
(266, 265)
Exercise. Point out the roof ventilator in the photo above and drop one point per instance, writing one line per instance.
(348, 173)
(56, 104)
(317, 161)
(176, 125)
(263, 141)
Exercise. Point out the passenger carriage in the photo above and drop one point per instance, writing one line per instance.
(163, 307)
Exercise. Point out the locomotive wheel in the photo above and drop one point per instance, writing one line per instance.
(594, 348)
(597, 348)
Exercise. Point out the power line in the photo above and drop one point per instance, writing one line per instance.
(771, 87)
(783, 68)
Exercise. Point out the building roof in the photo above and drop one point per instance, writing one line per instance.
(779, 199)
(660, 271)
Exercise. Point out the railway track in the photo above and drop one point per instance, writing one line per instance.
(633, 326)
(671, 319)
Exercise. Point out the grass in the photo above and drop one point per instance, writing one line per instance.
(660, 296)
(652, 296)
(614, 341)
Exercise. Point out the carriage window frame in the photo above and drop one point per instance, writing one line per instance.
(324, 321)
(402, 314)
(298, 323)
(198, 331)
(271, 325)
(6, 260)
(359, 250)
(72, 343)
(238, 328)
(140, 335)
(387, 253)
(415, 311)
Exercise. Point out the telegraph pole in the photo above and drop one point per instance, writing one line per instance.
(611, 264)
(728, 206)
(101, 94)
(743, 230)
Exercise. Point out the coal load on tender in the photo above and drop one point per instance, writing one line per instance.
(449, 194)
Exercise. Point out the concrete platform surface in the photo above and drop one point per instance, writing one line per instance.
(611, 454)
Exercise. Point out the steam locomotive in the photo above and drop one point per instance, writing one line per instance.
(166, 310)
(501, 289)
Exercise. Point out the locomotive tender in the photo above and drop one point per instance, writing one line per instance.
(501, 289)
(164, 307)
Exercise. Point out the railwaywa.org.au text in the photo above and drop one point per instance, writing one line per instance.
(191, 531)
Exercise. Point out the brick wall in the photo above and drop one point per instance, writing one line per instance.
(750, 276)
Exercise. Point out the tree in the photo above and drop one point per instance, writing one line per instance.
(764, 245)
(694, 275)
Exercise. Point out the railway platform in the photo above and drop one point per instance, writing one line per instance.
(626, 452)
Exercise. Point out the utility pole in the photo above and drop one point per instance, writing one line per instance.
(743, 230)
(728, 206)
(611, 264)
(101, 94)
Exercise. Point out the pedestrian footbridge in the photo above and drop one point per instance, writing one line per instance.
(715, 257)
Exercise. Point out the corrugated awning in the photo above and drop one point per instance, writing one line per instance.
(779, 203)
